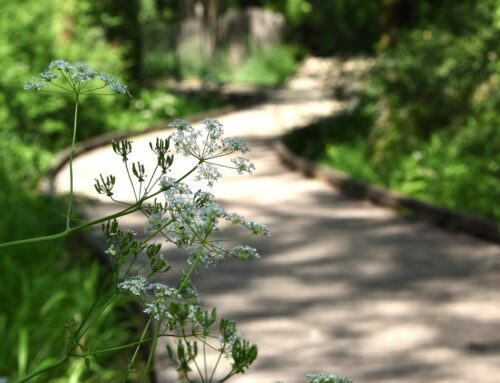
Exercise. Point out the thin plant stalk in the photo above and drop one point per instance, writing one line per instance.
(71, 154)
(133, 208)
(136, 352)
(151, 350)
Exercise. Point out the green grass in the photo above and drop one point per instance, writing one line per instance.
(270, 67)
(446, 170)
(267, 67)
(46, 286)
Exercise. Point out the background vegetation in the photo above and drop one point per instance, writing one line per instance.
(426, 123)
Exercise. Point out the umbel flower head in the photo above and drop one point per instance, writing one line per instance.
(320, 377)
(79, 78)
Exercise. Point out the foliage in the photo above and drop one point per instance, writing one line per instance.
(42, 289)
(429, 113)
(153, 106)
(331, 27)
(268, 67)
(458, 170)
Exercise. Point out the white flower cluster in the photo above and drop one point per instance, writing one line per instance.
(194, 217)
(243, 165)
(139, 286)
(244, 252)
(208, 173)
(207, 145)
(257, 228)
(320, 377)
(136, 285)
(191, 220)
(235, 144)
(77, 76)
(36, 83)
(157, 296)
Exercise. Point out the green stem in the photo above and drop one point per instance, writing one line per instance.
(83, 331)
(226, 377)
(205, 359)
(133, 208)
(150, 180)
(90, 311)
(67, 232)
(44, 369)
(125, 346)
(217, 363)
(136, 352)
(187, 276)
(71, 154)
(194, 360)
(151, 350)
(131, 182)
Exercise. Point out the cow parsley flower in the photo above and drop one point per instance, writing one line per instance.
(257, 228)
(243, 165)
(235, 218)
(320, 377)
(161, 290)
(185, 139)
(135, 285)
(37, 84)
(48, 75)
(209, 173)
(214, 129)
(235, 144)
(158, 310)
(207, 144)
(78, 78)
(61, 65)
(244, 252)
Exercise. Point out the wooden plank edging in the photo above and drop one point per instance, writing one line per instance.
(449, 218)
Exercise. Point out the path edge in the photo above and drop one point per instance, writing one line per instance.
(46, 184)
(441, 216)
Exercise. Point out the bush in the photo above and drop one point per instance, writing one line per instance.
(431, 114)
(268, 67)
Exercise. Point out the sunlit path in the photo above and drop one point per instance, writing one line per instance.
(342, 286)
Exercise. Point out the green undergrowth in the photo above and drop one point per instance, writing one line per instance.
(450, 169)
(46, 287)
(267, 67)
(158, 106)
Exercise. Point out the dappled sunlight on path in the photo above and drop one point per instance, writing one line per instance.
(342, 286)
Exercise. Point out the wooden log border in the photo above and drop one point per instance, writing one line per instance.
(448, 218)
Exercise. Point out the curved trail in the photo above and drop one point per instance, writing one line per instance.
(342, 286)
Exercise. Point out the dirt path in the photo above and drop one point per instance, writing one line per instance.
(342, 286)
